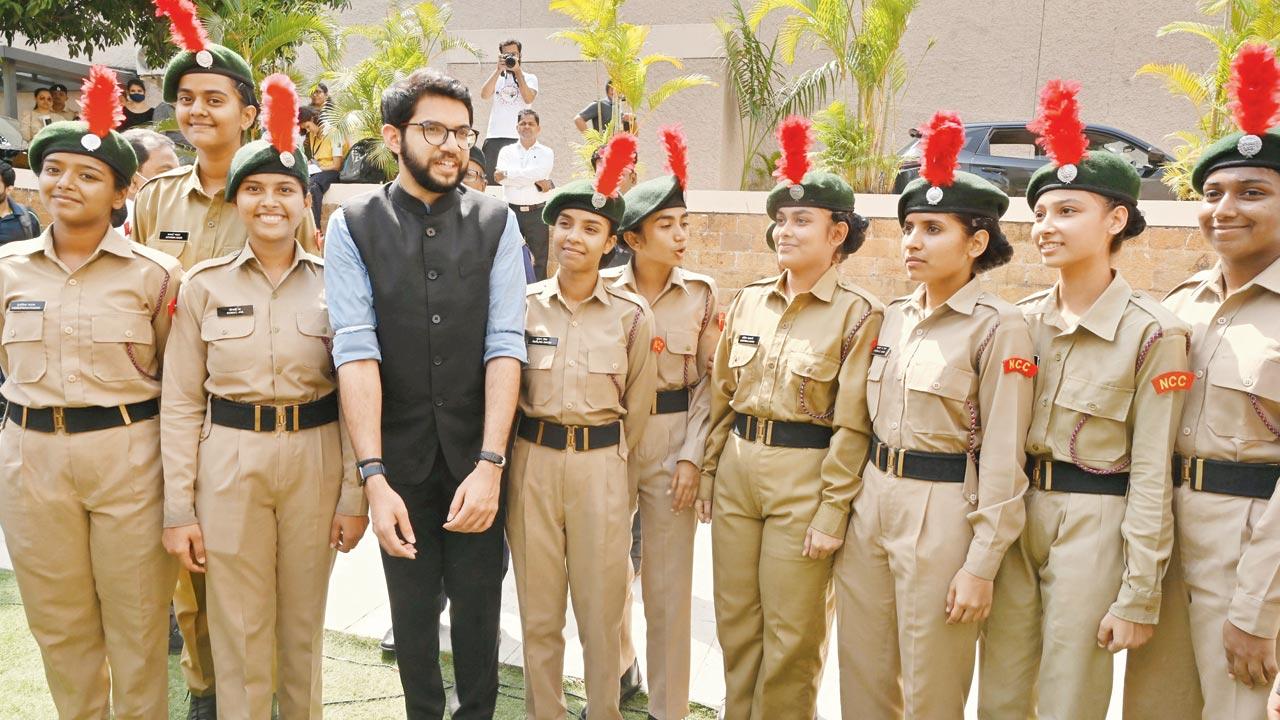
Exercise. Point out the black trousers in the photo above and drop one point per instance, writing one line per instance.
(490, 148)
(536, 235)
(470, 567)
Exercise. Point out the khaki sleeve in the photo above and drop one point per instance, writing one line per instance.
(842, 467)
(722, 384)
(695, 438)
(162, 322)
(351, 500)
(144, 215)
(307, 233)
(1255, 604)
(642, 380)
(1004, 409)
(182, 407)
(1147, 527)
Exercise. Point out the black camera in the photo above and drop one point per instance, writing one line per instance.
(509, 60)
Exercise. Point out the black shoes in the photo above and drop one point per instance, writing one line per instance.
(175, 634)
(388, 643)
(203, 708)
(630, 684)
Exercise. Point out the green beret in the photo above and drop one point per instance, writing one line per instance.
(221, 61)
(69, 136)
(1226, 153)
(579, 194)
(648, 198)
(261, 156)
(1102, 172)
(969, 194)
(819, 189)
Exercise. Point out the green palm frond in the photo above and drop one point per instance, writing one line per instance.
(1179, 80)
(673, 86)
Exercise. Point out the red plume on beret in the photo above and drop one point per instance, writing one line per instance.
(618, 157)
(793, 139)
(1255, 79)
(941, 141)
(184, 23)
(100, 103)
(677, 147)
(1058, 123)
(280, 111)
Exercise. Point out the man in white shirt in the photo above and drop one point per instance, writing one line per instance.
(523, 170)
(512, 90)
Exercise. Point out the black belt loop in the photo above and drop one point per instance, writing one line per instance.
(81, 419)
(776, 433)
(918, 465)
(1059, 476)
(578, 438)
(1224, 477)
(274, 418)
(671, 401)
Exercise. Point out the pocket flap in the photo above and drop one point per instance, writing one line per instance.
(682, 343)
(741, 354)
(607, 360)
(876, 371)
(541, 357)
(814, 367)
(1259, 377)
(223, 328)
(134, 329)
(315, 324)
(1095, 399)
(23, 326)
(940, 379)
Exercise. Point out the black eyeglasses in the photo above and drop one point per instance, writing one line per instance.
(435, 133)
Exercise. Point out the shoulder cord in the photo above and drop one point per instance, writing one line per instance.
(631, 339)
(706, 318)
(128, 347)
(844, 353)
(975, 424)
(1084, 418)
(1257, 409)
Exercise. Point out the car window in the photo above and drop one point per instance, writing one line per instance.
(1136, 156)
(1013, 143)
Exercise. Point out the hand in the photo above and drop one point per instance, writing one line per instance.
(346, 530)
(1115, 634)
(1273, 704)
(499, 176)
(390, 519)
(475, 504)
(684, 486)
(1250, 659)
(187, 544)
(820, 545)
(320, 240)
(703, 508)
(544, 185)
(969, 598)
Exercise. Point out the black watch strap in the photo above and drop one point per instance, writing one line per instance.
(492, 457)
(370, 468)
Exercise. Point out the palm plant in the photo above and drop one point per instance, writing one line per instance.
(269, 33)
(756, 77)
(1243, 21)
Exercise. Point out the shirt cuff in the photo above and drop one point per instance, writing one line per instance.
(1258, 618)
(356, 345)
(181, 516)
(1136, 606)
(499, 344)
(706, 484)
(830, 520)
(983, 562)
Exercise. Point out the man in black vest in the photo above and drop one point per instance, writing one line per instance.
(425, 286)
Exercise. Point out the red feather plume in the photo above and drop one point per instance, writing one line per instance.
(1058, 123)
(280, 111)
(793, 139)
(184, 24)
(618, 157)
(100, 103)
(1255, 79)
(941, 141)
(677, 147)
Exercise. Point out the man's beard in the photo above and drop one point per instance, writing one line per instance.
(422, 174)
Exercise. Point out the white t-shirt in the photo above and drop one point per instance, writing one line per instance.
(507, 103)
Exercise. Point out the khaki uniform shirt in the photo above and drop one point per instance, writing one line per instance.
(93, 337)
(949, 381)
(1233, 413)
(172, 213)
(1096, 405)
(589, 365)
(803, 361)
(685, 332)
(238, 337)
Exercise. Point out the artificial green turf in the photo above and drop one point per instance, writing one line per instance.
(360, 682)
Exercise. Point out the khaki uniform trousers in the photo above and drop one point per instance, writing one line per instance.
(191, 608)
(1057, 582)
(907, 539)
(266, 503)
(569, 528)
(82, 516)
(1213, 531)
(1160, 680)
(772, 603)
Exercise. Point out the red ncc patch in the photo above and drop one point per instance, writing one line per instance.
(658, 345)
(173, 305)
(1022, 366)
(1171, 381)
(720, 320)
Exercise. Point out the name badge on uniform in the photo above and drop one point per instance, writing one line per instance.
(543, 340)
(880, 351)
(235, 311)
(26, 306)
(179, 235)
(748, 339)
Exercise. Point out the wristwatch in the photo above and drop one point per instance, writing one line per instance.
(370, 467)
(492, 457)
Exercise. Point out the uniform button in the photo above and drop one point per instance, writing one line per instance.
(437, 360)
(1186, 431)
(439, 402)
(279, 371)
(1248, 382)
(213, 224)
(770, 365)
(435, 319)
(1222, 321)
(973, 497)
(574, 323)
(919, 333)
(275, 330)
(936, 386)
(1044, 402)
(569, 405)
(127, 333)
(73, 281)
(1035, 448)
(67, 330)
(1093, 407)
(573, 363)
(893, 426)
(1057, 356)
(899, 377)
(72, 378)
(275, 295)
(431, 232)
(1199, 373)
(432, 274)
(786, 326)
(224, 332)
(615, 366)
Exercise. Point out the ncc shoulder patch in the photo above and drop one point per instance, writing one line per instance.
(1022, 366)
(658, 345)
(720, 321)
(1171, 381)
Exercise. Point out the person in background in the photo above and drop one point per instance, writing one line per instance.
(136, 110)
(320, 98)
(474, 179)
(60, 104)
(599, 113)
(325, 162)
(524, 171)
(156, 154)
(512, 90)
(17, 222)
(40, 115)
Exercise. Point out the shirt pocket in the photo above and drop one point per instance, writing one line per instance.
(537, 374)
(875, 376)
(123, 345)
(606, 377)
(1230, 413)
(1104, 437)
(678, 361)
(313, 328)
(936, 400)
(24, 344)
(741, 365)
(169, 247)
(814, 377)
(230, 345)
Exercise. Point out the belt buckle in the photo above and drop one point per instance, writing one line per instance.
(1198, 474)
(59, 420)
(571, 438)
(1047, 475)
(282, 417)
(765, 438)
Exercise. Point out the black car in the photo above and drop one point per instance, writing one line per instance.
(1006, 154)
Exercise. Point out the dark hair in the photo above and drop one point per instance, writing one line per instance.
(120, 214)
(529, 111)
(321, 87)
(57, 87)
(401, 97)
(36, 95)
(1133, 228)
(306, 113)
(513, 41)
(608, 84)
(595, 158)
(857, 231)
(135, 81)
(7, 176)
(144, 141)
(999, 251)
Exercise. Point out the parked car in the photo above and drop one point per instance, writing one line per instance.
(11, 142)
(1006, 154)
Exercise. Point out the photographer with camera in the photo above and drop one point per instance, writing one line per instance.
(512, 90)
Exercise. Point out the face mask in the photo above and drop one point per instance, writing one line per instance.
(137, 97)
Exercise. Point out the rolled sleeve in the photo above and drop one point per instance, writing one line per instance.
(350, 296)
(504, 334)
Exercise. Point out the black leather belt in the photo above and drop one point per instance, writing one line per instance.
(1251, 480)
(274, 418)
(671, 401)
(917, 465)
(579, 438)
(1059, 476)
(776, 433)
(527, 208)
(81, 419)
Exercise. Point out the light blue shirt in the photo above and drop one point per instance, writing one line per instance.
(355, 320)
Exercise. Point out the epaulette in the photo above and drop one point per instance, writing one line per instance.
(1034, 297)
(536, 288)
(1005, 310)
(627, 295)
(698, 277)
(22, 247)
(851, 286)
(764, 281)
(179, 171)
(1196, 279)
(1162, 315)
(166, 261)
(210, 263)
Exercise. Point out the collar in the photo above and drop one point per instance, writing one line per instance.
(402, 198)
(1102, 319)
(112, 242)
(246, 254)
(627, 280)
(824, 289)
(191, 183)
(552, 290)
(962, 301)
